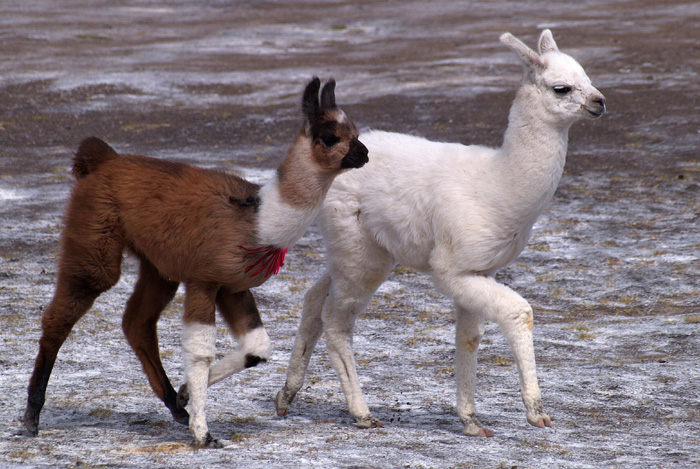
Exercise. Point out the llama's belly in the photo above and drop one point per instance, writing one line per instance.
(408, 238)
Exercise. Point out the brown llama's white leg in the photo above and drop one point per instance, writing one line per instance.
(199, 347)
(241, 314)
(143, 309)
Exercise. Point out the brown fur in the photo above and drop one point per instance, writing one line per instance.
(185, 225)
(304, 187)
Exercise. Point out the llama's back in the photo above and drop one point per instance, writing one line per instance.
(399, 195)
(189, 207)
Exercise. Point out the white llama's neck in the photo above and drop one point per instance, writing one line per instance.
(534, 151)
(292, 199)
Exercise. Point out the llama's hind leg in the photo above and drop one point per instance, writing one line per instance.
(350, 292)
(306, 338)
(89, 266)
(151, 295)
(69, 304)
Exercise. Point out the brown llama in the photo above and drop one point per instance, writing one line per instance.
(218, 234)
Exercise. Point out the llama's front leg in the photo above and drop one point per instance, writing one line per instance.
(199, 346)
(496, 302)
(241, 314)
(307, 336)
(339, 314)
(470, 328)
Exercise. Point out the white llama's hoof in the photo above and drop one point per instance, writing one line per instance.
(369, 422)
(473, 427)
(536, 416)
(283, 400)
(541, 421)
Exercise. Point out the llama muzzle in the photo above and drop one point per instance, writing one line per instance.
(356, 156)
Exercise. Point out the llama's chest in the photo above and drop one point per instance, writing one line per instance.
(279, 223)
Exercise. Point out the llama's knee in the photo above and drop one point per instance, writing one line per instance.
(523, 314)
(513, 312)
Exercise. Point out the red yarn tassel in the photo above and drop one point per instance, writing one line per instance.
(271, 258)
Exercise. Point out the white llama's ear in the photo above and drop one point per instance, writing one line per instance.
(530, 58)
(547, 43)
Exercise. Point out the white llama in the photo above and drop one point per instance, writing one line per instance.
(456, 212)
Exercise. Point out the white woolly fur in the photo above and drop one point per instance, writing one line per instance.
(458, 212)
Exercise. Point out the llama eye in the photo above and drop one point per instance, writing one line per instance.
(329, 139)
(562, 89)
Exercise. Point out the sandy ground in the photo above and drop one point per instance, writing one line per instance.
(612, 269)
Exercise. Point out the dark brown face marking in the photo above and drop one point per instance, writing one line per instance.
(329, 141)
(335, 141)
(356, 156)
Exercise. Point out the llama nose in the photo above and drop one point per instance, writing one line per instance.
(356, 156)
(600, 101)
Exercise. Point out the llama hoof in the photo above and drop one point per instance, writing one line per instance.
(473, 430)
(209, 442)
(31, 422)
(282, 402)
(536, 416)
(33, 430)
(473, 427)
(541, 422)
(369, 422)
(183, 397)
(181, 416)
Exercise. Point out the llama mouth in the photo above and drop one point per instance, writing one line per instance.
(595, 114)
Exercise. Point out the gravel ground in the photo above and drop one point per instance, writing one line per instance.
(612, 269)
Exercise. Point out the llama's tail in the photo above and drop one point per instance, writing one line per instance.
(91, 154)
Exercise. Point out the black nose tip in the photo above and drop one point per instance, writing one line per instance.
(356, 156)
(600, 101)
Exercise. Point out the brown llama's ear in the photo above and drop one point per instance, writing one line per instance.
(309, 104)
(328, 94)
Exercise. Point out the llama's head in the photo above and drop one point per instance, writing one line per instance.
(333, 135)
(564, 88)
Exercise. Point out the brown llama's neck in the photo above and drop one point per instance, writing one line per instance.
(302, 182)
(291, 200)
